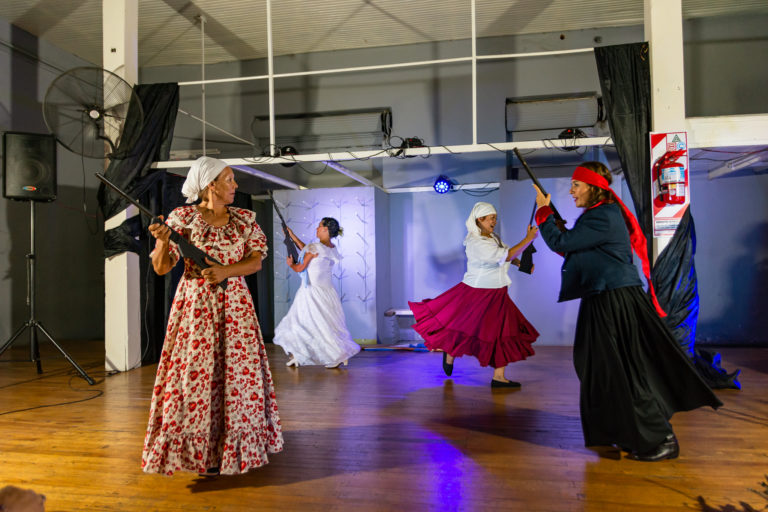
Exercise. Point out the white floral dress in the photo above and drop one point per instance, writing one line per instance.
(213, 404)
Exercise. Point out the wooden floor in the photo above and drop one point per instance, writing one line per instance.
(390, 432)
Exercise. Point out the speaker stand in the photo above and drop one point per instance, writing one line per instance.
(32, 323)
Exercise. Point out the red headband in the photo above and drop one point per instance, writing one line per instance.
(591, 178)
(636, 236)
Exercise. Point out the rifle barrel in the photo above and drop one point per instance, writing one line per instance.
(536, 182)
(125, 196)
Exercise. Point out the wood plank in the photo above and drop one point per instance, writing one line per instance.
(389, 432)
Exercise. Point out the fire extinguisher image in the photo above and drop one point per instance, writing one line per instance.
(669, 179)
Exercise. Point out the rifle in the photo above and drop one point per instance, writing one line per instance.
(185, 247)
(526, 259)
(536, 182)
(290, 246)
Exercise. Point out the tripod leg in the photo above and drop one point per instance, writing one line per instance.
(10, 341)
(64, 353)
(34, 349)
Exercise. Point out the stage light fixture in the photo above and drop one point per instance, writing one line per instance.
(735, 164)
(288, 151)
(411, 142)
(442, 185)
(571, 134)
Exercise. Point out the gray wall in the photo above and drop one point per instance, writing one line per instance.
(430, 103)
(731, 216)
(433, 104)
(725, 70)
(69, 264)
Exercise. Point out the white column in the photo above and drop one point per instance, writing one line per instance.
(664, 33)
(122, 316)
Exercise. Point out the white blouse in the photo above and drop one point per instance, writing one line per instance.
(486, 263)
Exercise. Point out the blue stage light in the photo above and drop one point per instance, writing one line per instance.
(442, 185)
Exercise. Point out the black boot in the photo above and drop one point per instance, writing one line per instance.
(667, 449)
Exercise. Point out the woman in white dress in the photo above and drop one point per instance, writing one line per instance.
(314, 330)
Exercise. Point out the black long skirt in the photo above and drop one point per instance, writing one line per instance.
(634, 375)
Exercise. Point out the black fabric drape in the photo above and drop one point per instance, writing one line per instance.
(674, 278)
(625, 82)
(161, 104)
(159, 191)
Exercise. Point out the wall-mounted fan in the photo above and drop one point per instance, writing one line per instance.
(86, 108)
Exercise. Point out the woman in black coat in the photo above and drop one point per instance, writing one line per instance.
(634, 375)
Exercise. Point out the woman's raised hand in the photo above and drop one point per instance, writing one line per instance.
(532, 232)
(541, 199)
(160, 231)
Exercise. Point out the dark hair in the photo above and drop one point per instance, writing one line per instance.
(333, 227)
(597, 194)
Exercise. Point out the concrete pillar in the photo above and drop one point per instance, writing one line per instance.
(664, 33)
(122, 321)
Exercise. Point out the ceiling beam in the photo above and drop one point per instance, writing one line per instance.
(260, 174)
(727, 131)
(336, 166)
(404, 152)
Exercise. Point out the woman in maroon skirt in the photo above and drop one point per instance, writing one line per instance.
(476, 317)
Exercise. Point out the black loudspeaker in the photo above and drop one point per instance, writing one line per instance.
(29, 166)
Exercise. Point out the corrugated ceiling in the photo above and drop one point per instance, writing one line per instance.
(169, 30)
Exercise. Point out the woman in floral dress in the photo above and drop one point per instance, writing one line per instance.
(213, 405)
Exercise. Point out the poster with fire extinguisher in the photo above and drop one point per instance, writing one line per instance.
(669, 180)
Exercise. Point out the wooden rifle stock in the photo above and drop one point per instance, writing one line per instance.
(290, 246)
(185, 247)
(526, 259)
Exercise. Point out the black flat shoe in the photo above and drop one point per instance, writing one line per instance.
(499, 384)
(668, 449)
(210, 472)
(447, 368)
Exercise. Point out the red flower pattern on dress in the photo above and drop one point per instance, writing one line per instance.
(213, 404)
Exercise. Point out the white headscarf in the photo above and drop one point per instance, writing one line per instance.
(480, 209)
(203, 171)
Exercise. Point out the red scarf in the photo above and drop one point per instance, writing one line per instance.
(636, 236)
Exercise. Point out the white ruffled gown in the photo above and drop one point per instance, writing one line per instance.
(314, 330)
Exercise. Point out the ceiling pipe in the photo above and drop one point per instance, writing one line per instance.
(336, 166)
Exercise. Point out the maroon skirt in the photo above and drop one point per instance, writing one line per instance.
(480, 322)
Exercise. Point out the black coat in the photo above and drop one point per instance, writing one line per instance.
(598, 254)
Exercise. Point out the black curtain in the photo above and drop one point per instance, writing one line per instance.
(153, 137)
(625, 82)
(159, 191)
(674, 278)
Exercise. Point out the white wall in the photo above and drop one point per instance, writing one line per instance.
(355, 277)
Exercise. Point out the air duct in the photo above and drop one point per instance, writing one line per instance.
(555, 112)
(317, 132)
